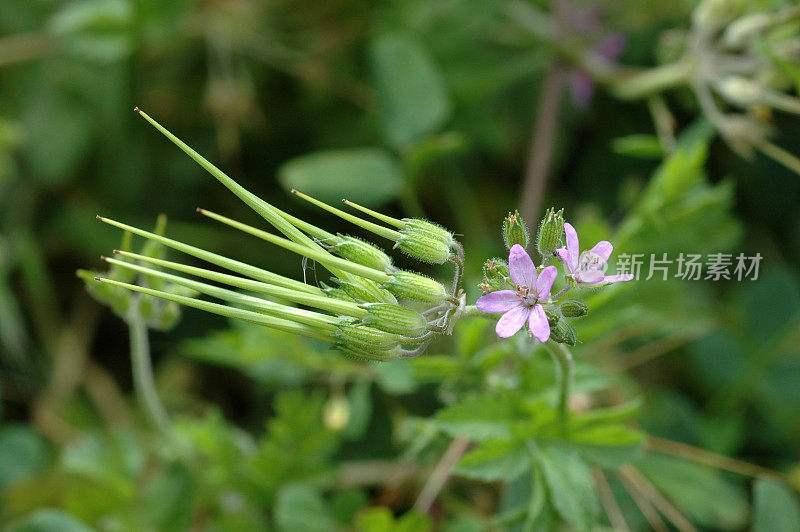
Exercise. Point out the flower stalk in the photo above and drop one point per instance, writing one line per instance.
(564, 375)
(143, 380)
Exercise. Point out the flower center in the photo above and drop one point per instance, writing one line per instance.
(528, 298)
(590, 261)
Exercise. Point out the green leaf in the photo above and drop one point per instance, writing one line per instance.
(96, 29)
(775, 508)
(495, 460)
(302, 509)
(396, 377)
(49, 520)
(378, 519)
(381, 519)
(640, 146)
(702, 493)
(23, 452)
(478, 417)
(411, 94)
(345, 504)
(169, 499)
(368, 176)
(571, 487)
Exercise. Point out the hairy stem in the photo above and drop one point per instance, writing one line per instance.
(143, 380)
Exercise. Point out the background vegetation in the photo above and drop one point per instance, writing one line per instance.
(444, 109)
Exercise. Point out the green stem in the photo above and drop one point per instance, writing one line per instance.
(143, 380)
(565, 372)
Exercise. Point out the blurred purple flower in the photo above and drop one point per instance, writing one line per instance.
(523, 304)
(607, 46)
(588, 268)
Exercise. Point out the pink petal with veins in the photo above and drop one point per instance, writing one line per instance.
(537, 322)
(618, 278)
(603, 249)
(512, 321)
(520, 267)
(573, 250)
(545, 282)
(498, 302)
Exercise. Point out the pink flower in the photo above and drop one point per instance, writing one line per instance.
(588, 268)
(521, 305)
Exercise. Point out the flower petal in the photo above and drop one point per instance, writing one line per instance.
(563, 254)
(590, 277)
(545, 282)
(520, 267)
(573, 249)
(512, 321)
(537, 322)
(618, 278)
(499, 301)
(603, 249)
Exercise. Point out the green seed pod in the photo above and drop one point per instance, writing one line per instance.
(368, 353)
(395, 319)
(563, 333)
(415, 286)
(365, 291)
(552, 316)
(419, 245)
(335, 293)
(361, 252)
(551, 232)
(496, 274)
(363, 337)
(574, 308)
(515, 231)
(429, 229)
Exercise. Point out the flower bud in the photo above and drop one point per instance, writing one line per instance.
(515, 231)
(551, 232)
(395, 319)
(563, 333)
(429, 229)
(574, 308)
(361, 252)
(415, 286)
(486, 288)
(552, 316)
(365, 291)
(421, 246)
(496, 274)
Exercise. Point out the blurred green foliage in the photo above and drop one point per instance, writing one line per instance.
(419, 108)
